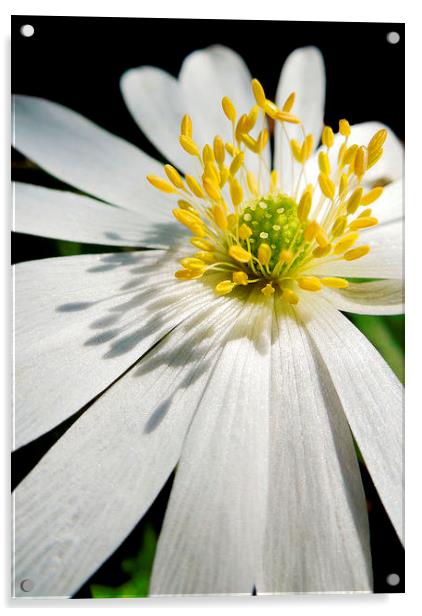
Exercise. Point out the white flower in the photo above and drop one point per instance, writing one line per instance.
(251, 394)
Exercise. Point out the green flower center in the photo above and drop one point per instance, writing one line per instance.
(273, 220)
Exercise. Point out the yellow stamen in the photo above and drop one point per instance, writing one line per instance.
(252, 183)
(173, 176)
(273, 180)
(327, 137)
(240, 278)
(252, 117)
(219, 151)
(377, 140)
(374, 157)
(220, 217)
(263, 235)
(321, 251)
(349, 155)
(327, 185)
(363, 222)
(268, 290)
(345, 243)
(245, 232)
(194, 186)
(372, 195)
(361, 161)
(304, 206)
(310, 283)
(193, 264)
(202, 244)
(282, 116)
(258, 92)
(310, 231)
(344, 128)
(207, 257)
(237, 162)
(339, 226)
(189, 145)
(290, 296)
(212, 188)
(335, 283)
(208, 154)
(225, 287)
(161, 184)
(285, 256)
(321, 236)
(229, 109)
(296, 150)
(239, 254)
(356, 253)
(187, 274)
(264, 254)
(186, 126)
(354, 200)
(236, 192)
(324, 163)
(290, 100)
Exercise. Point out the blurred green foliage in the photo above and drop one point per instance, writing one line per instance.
(387, 335)
(137, 569)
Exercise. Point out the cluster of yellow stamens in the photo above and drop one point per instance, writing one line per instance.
(266, 237)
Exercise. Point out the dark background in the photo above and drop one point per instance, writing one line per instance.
(78, 62)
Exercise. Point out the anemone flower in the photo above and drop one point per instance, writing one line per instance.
(222, 353)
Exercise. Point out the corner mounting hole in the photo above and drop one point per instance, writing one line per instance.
(393, 38)
(393, 579)
(27, 585)
(27, 30)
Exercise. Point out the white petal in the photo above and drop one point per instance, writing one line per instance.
(206, 76)
(92, 487)
(390, 206)
(385, 259)
(82, 321)
(211, 541)
(380, 297)
(157, 103)
(303, 73)
(317, 536)
(371, 397)
(69, 216)
(84, 155)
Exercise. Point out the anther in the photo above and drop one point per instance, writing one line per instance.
(328, 188)
(186, 126)
(268, 290)
(264, 254)
(161, 184)
(258, 92)
(356, 253)
(189, 145)
(310, 283)
(290, 296)
(372, 195)
(327, 137)
(229, 109)
(239, 254)
(335, 283)
(224, 287)
(344, 128)
(354, 200)
(240, 278)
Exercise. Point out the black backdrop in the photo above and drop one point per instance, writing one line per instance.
(78, 62)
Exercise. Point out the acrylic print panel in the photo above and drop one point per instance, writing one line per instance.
(209, 354)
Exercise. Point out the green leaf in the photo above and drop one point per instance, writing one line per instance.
(138, 569)
(387, 335)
